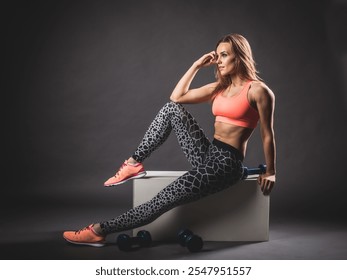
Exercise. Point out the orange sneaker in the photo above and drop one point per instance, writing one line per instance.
(126, 172)
(85, 236)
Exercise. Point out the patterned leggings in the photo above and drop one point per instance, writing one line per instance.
(215, 166)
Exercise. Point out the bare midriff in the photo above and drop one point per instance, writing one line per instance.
(233, 135)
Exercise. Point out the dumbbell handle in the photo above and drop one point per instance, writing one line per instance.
(261, 169)
(125, 242)
(135, 240)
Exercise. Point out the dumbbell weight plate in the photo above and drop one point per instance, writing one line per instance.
(123, 242)
(145, 238)
(194, 243)
(182, 236)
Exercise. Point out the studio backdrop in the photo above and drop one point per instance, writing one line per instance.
(83, 80)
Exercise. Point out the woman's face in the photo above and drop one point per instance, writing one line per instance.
(225, 59)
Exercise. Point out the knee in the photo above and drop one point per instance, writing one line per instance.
(173, 104)
(172, 107)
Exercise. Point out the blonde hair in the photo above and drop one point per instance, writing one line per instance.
(244, 62)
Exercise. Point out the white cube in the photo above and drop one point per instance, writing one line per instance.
(238, 213)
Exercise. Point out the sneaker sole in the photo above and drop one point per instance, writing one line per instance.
(140, 175)
(86, 244)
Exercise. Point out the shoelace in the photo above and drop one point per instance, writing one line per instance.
(83, 229)
(120, 169)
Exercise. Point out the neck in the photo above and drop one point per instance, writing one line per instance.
(237, 81)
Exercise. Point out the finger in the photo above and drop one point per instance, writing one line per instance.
(264, 185)
(259, 180)
(265, 191)
(208, 58)
(269, 188)
(213, 56)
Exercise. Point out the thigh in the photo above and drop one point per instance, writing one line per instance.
(190, 135)
(206, 179)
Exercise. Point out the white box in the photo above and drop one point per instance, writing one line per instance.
(239, 213)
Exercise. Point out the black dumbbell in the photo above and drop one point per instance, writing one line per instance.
(252, 171)
(142, 239)
(188, 239)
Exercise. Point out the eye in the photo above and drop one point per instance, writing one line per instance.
(224, 55)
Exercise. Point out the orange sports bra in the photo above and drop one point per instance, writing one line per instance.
(235, 109)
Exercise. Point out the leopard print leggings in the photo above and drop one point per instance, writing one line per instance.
(215, 166)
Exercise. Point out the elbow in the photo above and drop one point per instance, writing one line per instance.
(269, 138)
(173, 99)
(178, 96)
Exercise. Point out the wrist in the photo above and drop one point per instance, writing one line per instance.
(196, 65)
(270, 172)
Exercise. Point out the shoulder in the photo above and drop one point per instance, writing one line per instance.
(210, 89)
(211, 86)
(260, 92)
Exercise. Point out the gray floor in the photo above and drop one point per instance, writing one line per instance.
(37, 234)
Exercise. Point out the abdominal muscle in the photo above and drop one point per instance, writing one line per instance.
(233, 135)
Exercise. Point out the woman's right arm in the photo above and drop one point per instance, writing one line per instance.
(182, 92)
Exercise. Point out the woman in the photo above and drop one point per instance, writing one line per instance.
(239, 100)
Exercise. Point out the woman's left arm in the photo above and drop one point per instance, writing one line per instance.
(265, 102)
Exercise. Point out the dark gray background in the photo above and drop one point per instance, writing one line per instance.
(83, 80)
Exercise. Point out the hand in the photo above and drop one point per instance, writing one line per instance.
(207, 60)
(266, 182)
